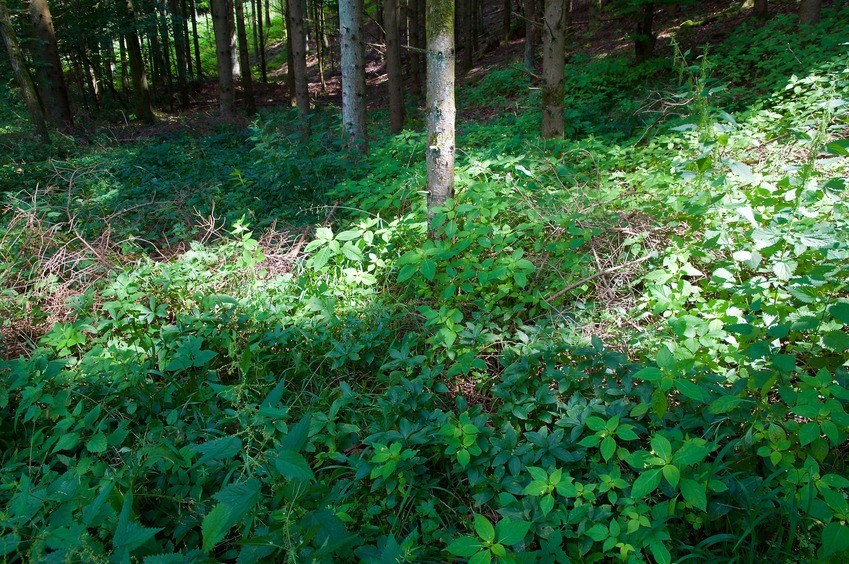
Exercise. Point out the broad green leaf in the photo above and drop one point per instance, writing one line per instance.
(646, 483)
(808, 433)
(464, 546)
(694, 493)
(597, 532)
(463, 457)
(509, 532)
(690, 452)
(839, 147)
(96, 444)
(484, 529)
(835, 538)
(67, 441)
(349, 235)
(214, 526)
(665, 358)
(724, 404)
(292, 465)
(595, 423)
(690, 390)
(662, 447)
(482, 557)
(672, 474)
(352, 252)
(649, 374)
(660, 552)
(784, 269)
(608, 447)
(217, 449)
(428, 269)
(407, 271)
(546, 504)
(535, 488)
(837, 341)
(298, 435)
(840, 312)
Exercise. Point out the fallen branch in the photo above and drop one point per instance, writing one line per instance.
(596, 275)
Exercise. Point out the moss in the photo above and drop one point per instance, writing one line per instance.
(440, 18)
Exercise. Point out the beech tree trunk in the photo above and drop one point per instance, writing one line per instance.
(809, 12)
(224, 57)
(247, 82)
(54, 92)
(141, 91)
(553, 68)
(25, 82)
(531, 35)
(298, 62)
(440, 108)
(393, 65)
(353, 74)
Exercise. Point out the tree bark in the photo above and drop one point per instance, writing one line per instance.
(196, 41)
(179, 52)
(553, 73)
(54, 91)
(416, 44)
(761, 9)
(141, 91)
(393, 65)
(505, 20)
(25, 82)
(319, 43)
(261, 41)
(645, 37)
(298, 63)
(247, 82)
(440, 108)
(531, 35)
(467, 7)
(809, 12)
(290, 58)
(224, 57)
(353, 74)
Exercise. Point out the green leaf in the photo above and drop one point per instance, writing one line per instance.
(662, 447)
(672, 474)
(217, 449)
(690, 390)
(464, 546)
(649, 374)
(407, 271)
(349, 235)
(292, 465)
(536, 488)
(214, 526)
(808, 433)
(646, 483)
(428, 269)
(665, 358)
(484, 528)
(784, 269)
(597, 532)
(608, 447)
(595, 423)
(724, 404)
(298, 435)
(509, 532)
(352, 252)
(840, 312)
(482, 557)
(463, 457)
(835, 538)
(839, 147)
(694, 493)
(546, 504)
(660, 552)
(837, 341)
(96, 444)
(67, 441)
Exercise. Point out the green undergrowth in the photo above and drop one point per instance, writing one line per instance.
(628, 345)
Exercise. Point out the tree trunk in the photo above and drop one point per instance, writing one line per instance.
(224, 57)
(196, 41)
(25, 82)
(353, 74)
(261, 38)
(290, 57)
(234, 42)
(267, 13)
(393, 65)
(468, 16)
(298, 63)
(809, 12)
(645, 38)
(54, 91)
(441, 112)
(553, 63)
(141, 92)
(416, 44)
(166, 53)
(179, 53)
(247, 83)
(319, 43)
(125, 75)
(761, 9)
(505, 20)
(531, 35)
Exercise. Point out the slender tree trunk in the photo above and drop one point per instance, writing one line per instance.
(234, 42)
(467, 7)
(166, 52)
(141, 92)
(353, 74)
(645, 37)
(267, 13)
(125, 75)
(196, 41)
(414, 27)
(505, 19)
(224, 57)
(179, 53)
(247, 83)
(319, 44)
(261, 53)
(553, 69)
(393, 65)
(16, 58)
(761, 9)
(298, 63)
(55, 91)
(290, 68)
(809, 12)
(187, 38)
(531, 35)
(441, 112)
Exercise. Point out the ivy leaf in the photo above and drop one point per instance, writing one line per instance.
(646, 483)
